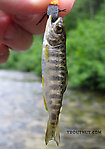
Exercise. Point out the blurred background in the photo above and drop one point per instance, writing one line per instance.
(23, 118)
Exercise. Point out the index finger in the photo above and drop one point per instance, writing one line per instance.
(24, 6)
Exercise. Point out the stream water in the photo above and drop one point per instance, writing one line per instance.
(23, 118)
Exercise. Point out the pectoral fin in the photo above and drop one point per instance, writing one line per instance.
(45, 103)
(46, 53)
(42, 81)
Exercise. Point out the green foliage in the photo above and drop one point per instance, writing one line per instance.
(86, 54)
(80, 11)
(101, 11)
(85, 47)
(83, 9)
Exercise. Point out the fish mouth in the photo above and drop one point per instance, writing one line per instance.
(59, 20)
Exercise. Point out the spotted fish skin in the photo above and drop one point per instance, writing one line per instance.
(54, 74)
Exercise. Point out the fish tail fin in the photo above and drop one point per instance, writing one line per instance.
(52, 133)
(57, 135)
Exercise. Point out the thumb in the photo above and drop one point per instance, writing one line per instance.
(24, 6)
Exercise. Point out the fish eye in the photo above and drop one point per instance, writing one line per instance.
(59, 29)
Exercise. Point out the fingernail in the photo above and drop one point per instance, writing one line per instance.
(10, 32)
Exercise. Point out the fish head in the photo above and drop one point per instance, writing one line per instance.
(55, 30)
(58, 26)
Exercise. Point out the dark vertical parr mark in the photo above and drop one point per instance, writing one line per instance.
(56, 78)
(53, 116)
(54, 96)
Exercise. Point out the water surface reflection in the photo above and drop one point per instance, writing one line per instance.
(23, 118)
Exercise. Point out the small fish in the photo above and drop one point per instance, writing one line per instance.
(54, 74)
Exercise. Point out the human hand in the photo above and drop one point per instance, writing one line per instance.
(18, 20)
